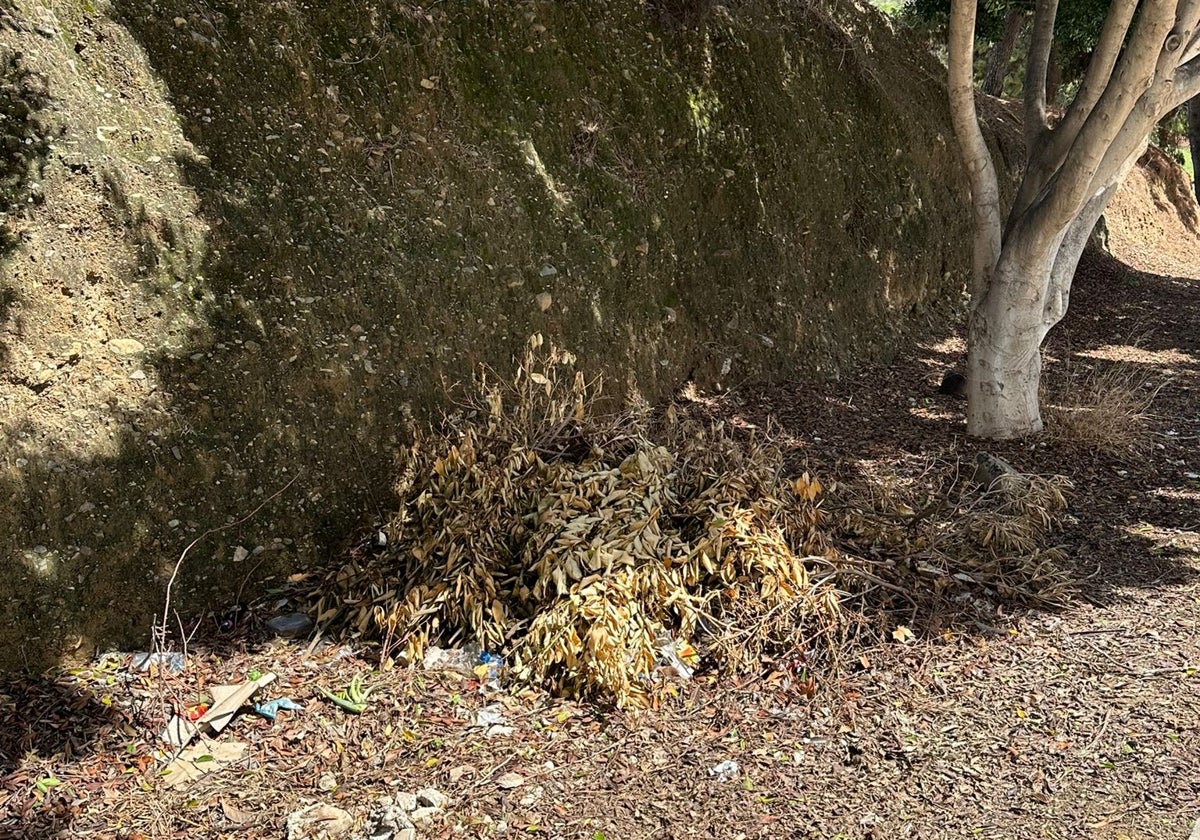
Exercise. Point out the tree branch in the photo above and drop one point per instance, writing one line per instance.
(1137, 69)
(1187, 82)
(1058, 292)
(977, 159)
(1036, 67)
(1188, 21)
(1099, 71)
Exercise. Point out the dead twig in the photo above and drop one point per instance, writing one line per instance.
(159, 633)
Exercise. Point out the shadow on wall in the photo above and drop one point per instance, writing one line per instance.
(24, 145)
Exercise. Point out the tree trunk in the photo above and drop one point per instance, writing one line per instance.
(1193, 122)
(1022, 269)
(1000, 57)
(1027, 295)
(1004, 352)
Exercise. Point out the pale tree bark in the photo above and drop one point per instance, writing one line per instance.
(981, 170)
(1000, 57)
(1147, 62)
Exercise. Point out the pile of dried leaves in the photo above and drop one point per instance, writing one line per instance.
(575, 543)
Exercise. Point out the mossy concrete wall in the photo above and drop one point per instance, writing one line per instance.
(266, 232)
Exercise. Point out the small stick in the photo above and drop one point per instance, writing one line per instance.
(159, 635)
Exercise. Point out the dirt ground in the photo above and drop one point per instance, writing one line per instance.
(1082, 722)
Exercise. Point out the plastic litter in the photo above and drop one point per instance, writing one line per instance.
(271, 709)
(675, 658)
(353, 698)
(726, 771)
(227, 699)
(291, 625)
(463, 660)
(489, 669)
(489, 716)
(172, 663)
(470, 661)
(493, 720)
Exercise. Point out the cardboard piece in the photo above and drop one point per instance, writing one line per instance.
(227, 700)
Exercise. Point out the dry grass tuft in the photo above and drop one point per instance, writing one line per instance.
(572, 543)
(1104, 410)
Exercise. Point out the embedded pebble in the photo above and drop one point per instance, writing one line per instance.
(126, 346)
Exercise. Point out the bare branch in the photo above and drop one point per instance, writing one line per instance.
(1036, 67)
(1156, 101)
(1192, 49)
(981, 170)
(1057, 294)
(1186, 20)
(159, 633)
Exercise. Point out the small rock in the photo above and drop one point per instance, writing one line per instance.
(432, 797)
(547, 271)
(422, 816)
(533, 797)
(388, 821)
(510, 780)
(989, 469)
(327, 782)
(126, 346)
(319, 822)
(544, 301)
(726, 771)
(406, 801)
(138, 374)
(290, 625)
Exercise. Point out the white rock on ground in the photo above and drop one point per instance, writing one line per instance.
(319, 822)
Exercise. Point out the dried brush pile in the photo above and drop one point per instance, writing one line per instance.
(572, 543)
(942, 533)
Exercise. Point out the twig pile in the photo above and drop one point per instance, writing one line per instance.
(574, 544)
(951, 534)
